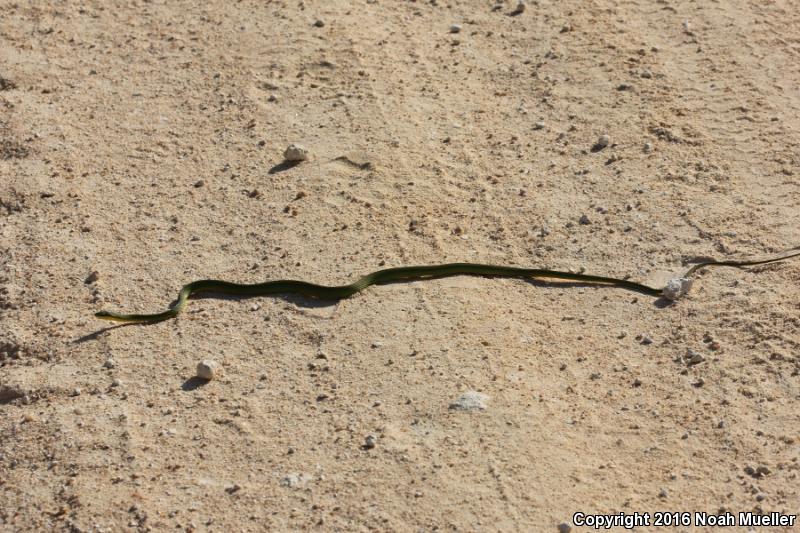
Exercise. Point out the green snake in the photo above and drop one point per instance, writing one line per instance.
(674, 289)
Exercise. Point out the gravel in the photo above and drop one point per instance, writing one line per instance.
(676, 288)
(470, 401)
(694, 358)
(208, 369)
(295, 152)
(602, 142)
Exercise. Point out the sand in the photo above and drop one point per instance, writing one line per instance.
(141, 148)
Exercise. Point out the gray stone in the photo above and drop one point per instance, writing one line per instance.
(296, 152)
(208, 369)
(470, 401)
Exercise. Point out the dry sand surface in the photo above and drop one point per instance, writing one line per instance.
(141, 147)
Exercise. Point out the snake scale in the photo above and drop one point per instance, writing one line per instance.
(674, 289)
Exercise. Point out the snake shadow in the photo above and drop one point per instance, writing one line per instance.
(316, 303)
(295, 299)
(292, 298)
(659, 302)
(95, 334)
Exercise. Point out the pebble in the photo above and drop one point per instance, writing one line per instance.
(520, 9)
(370, 442)
(294, 479)
(109, 363)
(208, 369)
(455, 28)
(92, 277)
(694, 358)
(646, 340)
(563, 527)
(648, 147)
(296, 152)
(319, 23)
(75, 392)
(676, 288)
(539, 125)
(470, 401)
(756, 472)
(646, 74)
(602, 142)
(116, 382)
(584, 220)
(199, 183)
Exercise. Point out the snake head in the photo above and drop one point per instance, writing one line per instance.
(105, 315)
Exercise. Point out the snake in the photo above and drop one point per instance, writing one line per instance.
(674, 289)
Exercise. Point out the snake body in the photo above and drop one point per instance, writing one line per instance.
(404, 274)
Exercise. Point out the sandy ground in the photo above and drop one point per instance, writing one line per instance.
(143, 141)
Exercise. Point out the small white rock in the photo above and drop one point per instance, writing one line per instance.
(296, 152)
(455, 28)
(208, 369)
(539, 125)
(520, 9)
(602, 142)
(470, 401)
(370, 442)
(676, 288)
(295, 479)
(109, 363)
